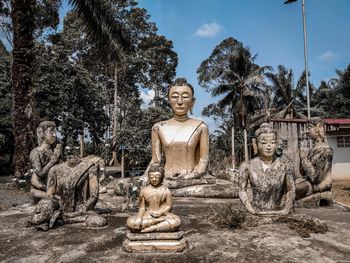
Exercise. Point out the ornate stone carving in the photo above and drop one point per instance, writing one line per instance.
(271, 177)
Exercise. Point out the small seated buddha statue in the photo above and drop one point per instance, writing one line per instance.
(155, 204)
(271, 177)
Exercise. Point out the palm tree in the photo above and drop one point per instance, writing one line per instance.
(288, 100)
(101, 25)
(340, 93)
(232, 69)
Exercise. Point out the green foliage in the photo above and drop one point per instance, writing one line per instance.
(130, 190)
(287, 98)
(135, 134)
(334, 97)
(6, 137)
(75, 85)
(102, 26)
(230, 70)
(221, 146)
(65, 92)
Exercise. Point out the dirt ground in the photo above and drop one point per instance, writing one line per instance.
(207, 241)
(341, 192)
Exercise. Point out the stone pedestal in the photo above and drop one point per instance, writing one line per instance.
(316, 200)
(219, 189)
(204, 187)
(171, 242)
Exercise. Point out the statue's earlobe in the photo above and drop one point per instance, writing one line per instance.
(255, 146)
(192, 104)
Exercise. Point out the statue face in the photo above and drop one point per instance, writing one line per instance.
(155, 178)
(267, 144)
(50, 135)
(181, 99)
(316, 131)
(42, 213)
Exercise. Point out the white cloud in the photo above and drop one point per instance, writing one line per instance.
(327, 56)
(147, 97)
(209, 30)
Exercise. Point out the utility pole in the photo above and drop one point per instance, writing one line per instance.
(305, 55)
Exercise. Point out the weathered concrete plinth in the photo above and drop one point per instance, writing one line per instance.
(155, 242)
(316, 200)
(217, 189)
(204, 187)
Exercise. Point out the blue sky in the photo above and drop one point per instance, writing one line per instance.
(271, 29)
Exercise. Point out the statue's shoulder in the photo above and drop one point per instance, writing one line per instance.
(166, 189)
(199, 123)
(245, 166)
(327, 148)
(158, 125)
(322, 149)
(283, 161)
(35, 153)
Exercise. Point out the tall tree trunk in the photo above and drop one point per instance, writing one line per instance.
(156, 96)
(233, 147)
(123, 164)
(115, 113)
(82, 145)
(245, 145)
(23, 21)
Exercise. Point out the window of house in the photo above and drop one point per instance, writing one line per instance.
(343, 141)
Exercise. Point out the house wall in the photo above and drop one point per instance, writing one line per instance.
(341, 160)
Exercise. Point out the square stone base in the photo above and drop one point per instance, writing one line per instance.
(171, 242)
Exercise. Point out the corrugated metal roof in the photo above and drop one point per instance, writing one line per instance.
(337, 121)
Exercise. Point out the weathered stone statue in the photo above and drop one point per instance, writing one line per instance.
(316, 165)
(43, 157)
(73, 184)
(182, 143)
(271, 178)
(158, 227)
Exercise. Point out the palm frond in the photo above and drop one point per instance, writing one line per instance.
(101, 25)
(221, 89)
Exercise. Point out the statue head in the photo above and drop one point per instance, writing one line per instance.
(45, 210)
(316, 129)
(181, 97)
(46, 132)
(265, 142)
(155, 174)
